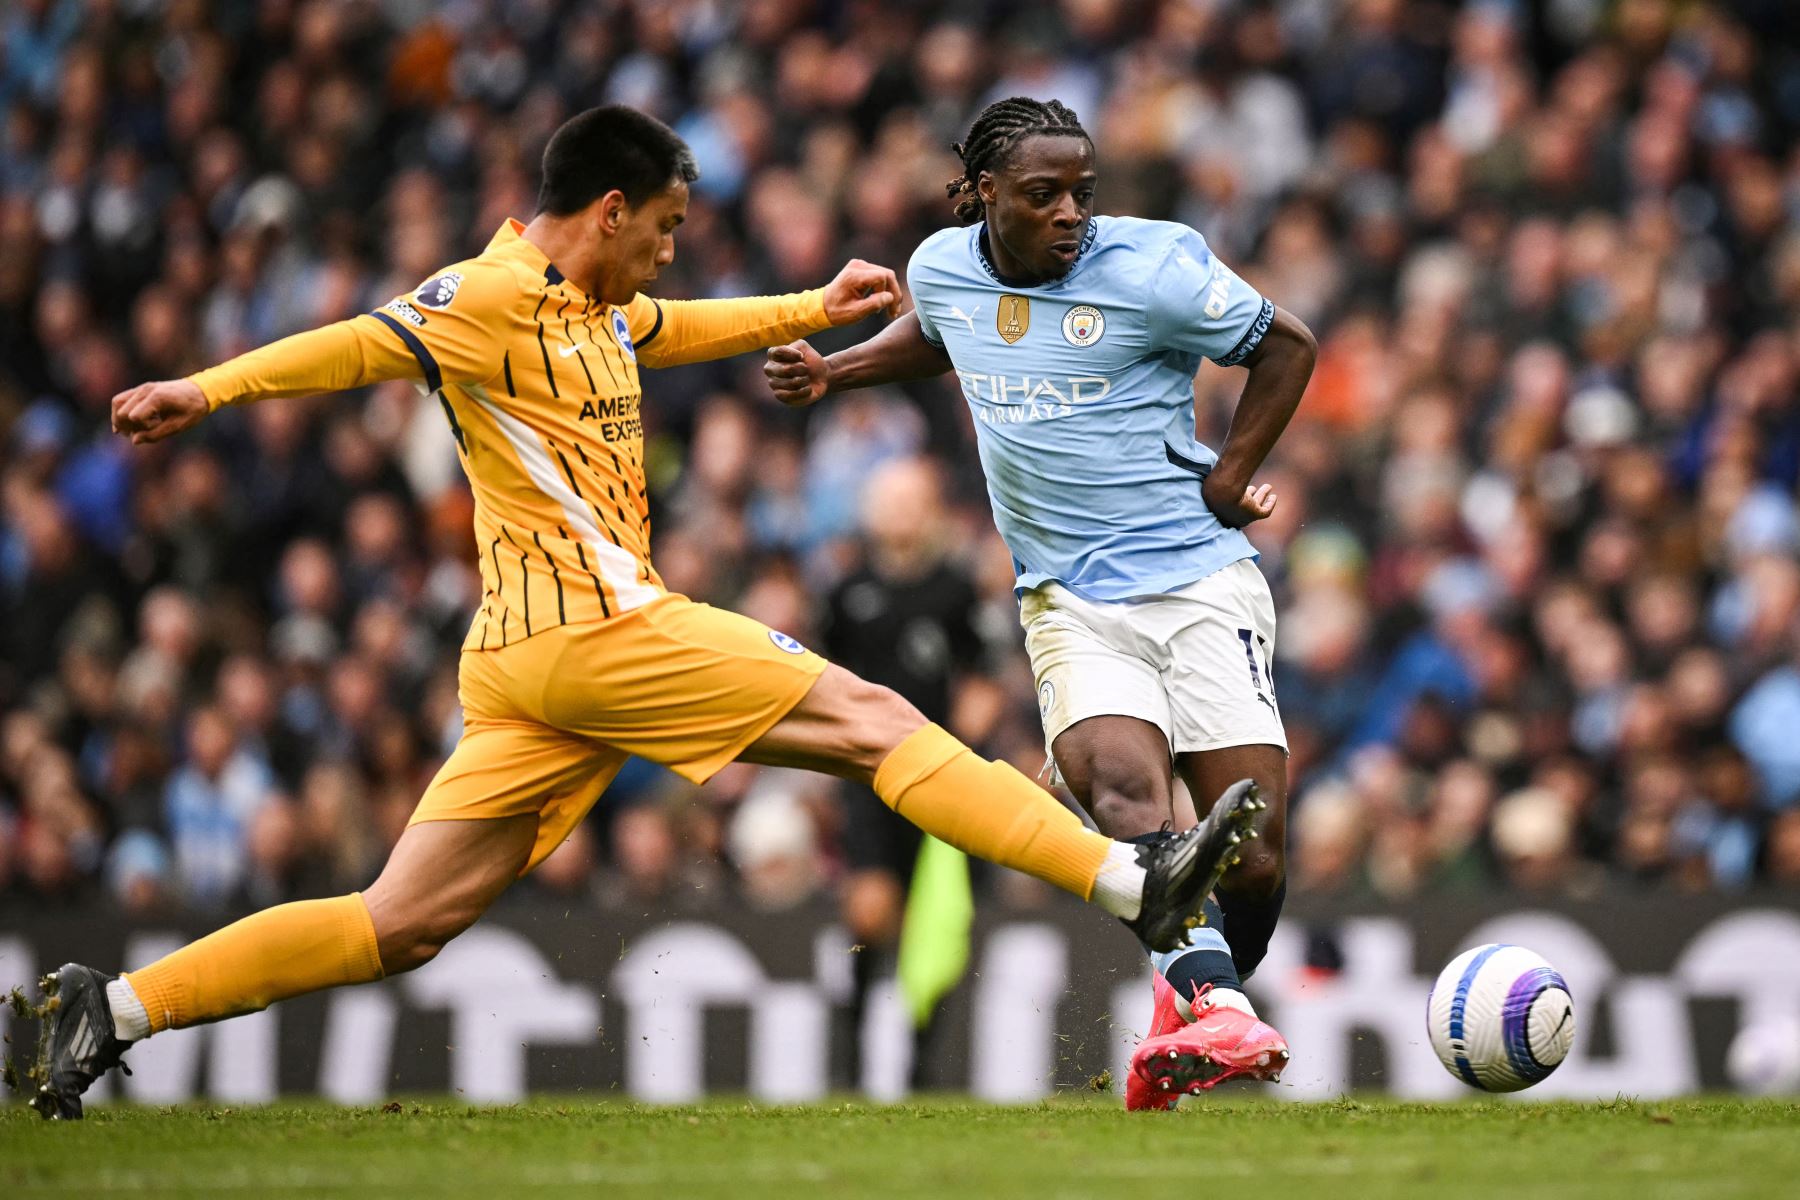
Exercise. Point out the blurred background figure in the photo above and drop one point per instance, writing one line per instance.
(903, 617)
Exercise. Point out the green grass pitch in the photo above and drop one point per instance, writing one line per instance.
(941, 1148)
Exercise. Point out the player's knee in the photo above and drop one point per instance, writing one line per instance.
(1126, 805)
(1258, 874)
(877, 719)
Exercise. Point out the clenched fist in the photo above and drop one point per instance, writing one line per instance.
(797, 374)
(151, 412)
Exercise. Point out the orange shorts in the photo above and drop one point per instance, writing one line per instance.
(548, 721)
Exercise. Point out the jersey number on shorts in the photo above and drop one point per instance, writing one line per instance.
(1266, 671)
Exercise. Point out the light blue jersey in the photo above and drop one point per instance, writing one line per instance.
(1082, 391)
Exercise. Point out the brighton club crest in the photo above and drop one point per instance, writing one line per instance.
(1013, 317)
(1083, 325)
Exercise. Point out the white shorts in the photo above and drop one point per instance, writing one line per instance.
(1196, 663)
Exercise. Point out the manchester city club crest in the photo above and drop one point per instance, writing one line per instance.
(1083, 325)
(622, 331)
(1013, 317)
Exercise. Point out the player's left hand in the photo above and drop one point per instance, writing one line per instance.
(1236, 509)
(861, 290)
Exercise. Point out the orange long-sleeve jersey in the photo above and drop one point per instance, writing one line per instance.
(539, 382)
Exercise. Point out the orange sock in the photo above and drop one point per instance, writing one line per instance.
(284, 951)
(989, 810)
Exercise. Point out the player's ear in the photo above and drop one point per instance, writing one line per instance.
(611, 210)
(986, 187)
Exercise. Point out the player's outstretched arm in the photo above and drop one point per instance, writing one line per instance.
(328, 359)
(1279, 368)
(672, 332)
(799, 375)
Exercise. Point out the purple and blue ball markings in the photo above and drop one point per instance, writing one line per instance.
(1459, 1003)
(1516, 1021)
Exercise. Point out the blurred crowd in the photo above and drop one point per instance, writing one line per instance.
(1536, 552)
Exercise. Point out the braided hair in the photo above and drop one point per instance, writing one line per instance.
(1001, 126)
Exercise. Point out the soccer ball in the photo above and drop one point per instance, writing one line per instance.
(1500, 1018)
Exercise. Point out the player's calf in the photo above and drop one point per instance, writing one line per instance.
(410, 939)
(440, 878)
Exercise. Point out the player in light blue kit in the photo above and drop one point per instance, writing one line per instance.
(1151, 632)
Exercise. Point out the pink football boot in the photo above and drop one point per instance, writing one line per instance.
(1219, 1044)
(1167, 1018)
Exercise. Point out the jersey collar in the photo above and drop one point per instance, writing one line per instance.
(512, 234)
(987, 264)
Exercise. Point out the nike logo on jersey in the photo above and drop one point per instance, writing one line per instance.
(967, 317)
(565, 351)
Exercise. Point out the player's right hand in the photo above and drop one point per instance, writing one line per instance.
(151, 412)
(797, 374)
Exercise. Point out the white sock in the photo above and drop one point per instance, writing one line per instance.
(1228, 998)
(130, 1022)
(1119, 889)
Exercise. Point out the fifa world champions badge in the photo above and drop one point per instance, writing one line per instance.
(1013, 318)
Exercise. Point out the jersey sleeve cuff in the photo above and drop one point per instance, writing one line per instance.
(655, 329)
(216, 397)
(1252, 338)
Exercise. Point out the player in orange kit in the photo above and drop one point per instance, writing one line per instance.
(578, 656)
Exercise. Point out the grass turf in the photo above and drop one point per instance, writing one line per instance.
(1072, 1146)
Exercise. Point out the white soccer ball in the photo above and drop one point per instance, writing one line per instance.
(1764, 1058)
(1500, 1018)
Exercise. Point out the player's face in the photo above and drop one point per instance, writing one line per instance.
(645, 242)
(1038, 206)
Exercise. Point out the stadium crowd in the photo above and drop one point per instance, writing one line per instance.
(1537, 556)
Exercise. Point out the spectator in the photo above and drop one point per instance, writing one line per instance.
(211, 807)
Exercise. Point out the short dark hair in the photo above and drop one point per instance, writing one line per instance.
(608, 148)
(999, 129)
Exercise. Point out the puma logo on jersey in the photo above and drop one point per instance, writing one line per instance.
(966, 317)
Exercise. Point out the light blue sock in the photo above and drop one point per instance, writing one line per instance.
(1205, 959)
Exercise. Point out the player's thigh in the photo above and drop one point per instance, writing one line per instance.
(1118, 768)
(1208, 773)
(1104, 708)
(519, 769)
(843, 726)
(679, 683)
